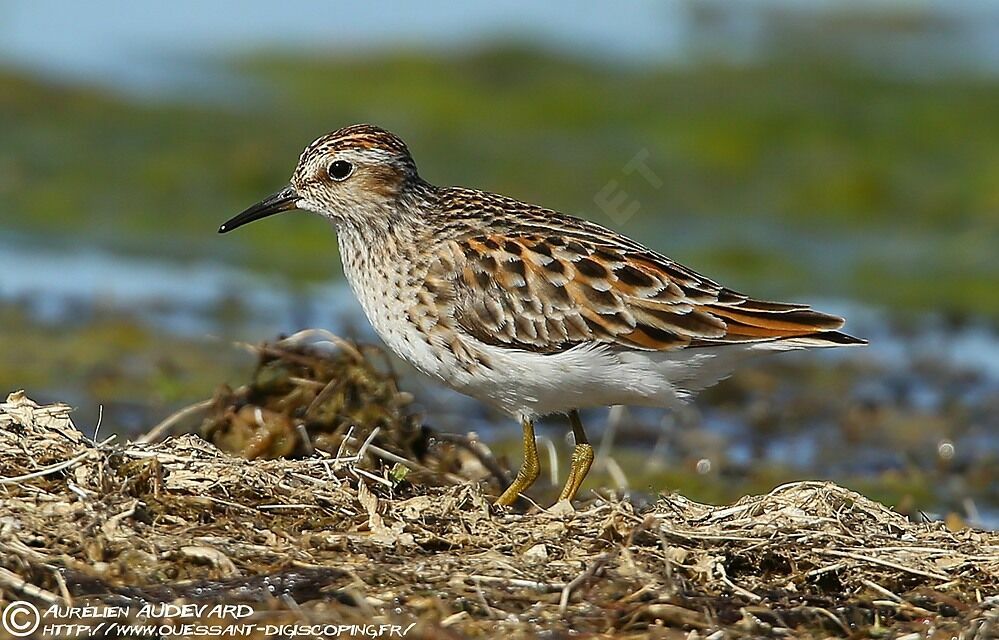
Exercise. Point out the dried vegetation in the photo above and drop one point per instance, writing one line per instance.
(375, 519)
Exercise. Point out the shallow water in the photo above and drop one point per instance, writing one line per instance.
(181, 298)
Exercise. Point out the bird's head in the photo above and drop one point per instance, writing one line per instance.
(355, 175)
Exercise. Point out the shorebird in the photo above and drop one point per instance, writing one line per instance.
(530, 310)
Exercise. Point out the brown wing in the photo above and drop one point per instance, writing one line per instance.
(548, 293)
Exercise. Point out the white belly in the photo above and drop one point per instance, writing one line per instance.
(530, 384)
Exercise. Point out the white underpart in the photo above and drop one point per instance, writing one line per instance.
(528, 384)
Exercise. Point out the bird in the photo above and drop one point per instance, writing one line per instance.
(532, 311)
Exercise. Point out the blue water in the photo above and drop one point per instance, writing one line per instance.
(182, 298)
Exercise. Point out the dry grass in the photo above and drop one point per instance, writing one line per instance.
(343, 536)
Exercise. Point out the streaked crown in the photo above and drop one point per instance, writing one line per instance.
(354, 172)
(373, 145)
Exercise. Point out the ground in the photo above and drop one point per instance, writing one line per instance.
(375, 525)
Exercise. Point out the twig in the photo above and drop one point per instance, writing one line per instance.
(482, 599)
(305, 382)
(343, 444)
(109, 527)
(740, 590)
(20, 585)
(285, 506)
(372, 476)
(826, 569)
(885, 592)
(478, 450)
(154, 434)
(518, 582)
(387, 455)
(47, 470)
(598, 562)
(100, 419)
(321, 397)
(885, 563)
(691, 535)
(367, 442)
(228, 503)
(63, 589)
(303, 434)
(834, 618)
(733, 586)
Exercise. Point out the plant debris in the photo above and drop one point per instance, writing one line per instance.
(338, 534)
(301, 398)
(305, 396)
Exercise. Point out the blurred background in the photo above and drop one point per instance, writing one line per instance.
(844, 154)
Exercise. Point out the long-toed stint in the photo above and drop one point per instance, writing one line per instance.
(525, 308)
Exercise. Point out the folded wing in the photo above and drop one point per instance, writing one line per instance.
(551, 292)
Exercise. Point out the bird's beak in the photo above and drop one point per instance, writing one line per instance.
(283, 200)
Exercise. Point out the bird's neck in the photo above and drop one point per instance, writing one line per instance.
(372, 245)
(405, 213)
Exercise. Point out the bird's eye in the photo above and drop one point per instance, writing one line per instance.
(340, 170)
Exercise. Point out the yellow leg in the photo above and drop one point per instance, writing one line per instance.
(529, 469)
(582, 458)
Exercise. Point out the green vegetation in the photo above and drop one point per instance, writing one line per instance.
(137, 374)
(795, 177)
